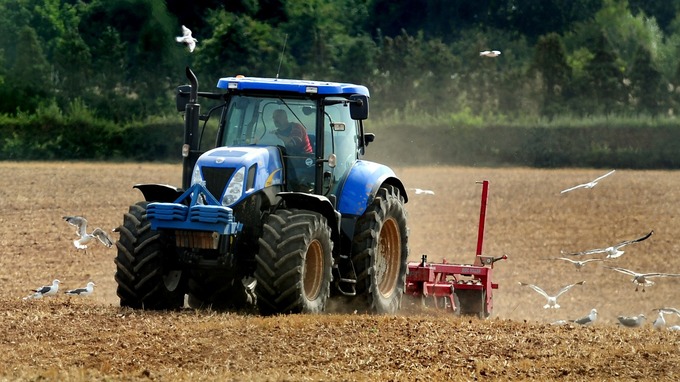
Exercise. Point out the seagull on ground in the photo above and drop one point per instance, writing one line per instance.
(552, 300)
(615, 250)
(632, 321)
(46, 290)
(586, 320)
(641, 278)
(82, 291)
(490, 53)
(420, 191)
(660, 321)
(578, 264)
(590, 184)
(674, 328)
(85, 237)
(187, 39)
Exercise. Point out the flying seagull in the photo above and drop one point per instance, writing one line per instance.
(490, 53)
(85, 237)
(668, 311)
(420, 191)
(82, 291)
(615, 250)
(641, 278)
(552, 300)
(632, 321)
(47, 290)
(187, 39)
(578, 264)
(590, 184)
(586, 320)
(660, 321)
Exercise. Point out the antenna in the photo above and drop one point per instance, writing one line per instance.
(281, 60)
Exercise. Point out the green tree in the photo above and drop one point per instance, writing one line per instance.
(646, 83)
(605, 77)
(550, 63)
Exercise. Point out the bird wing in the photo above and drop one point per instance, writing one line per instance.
(565, 259)
(537, 289)
(186, 32)
(588, 252)
(603, 176)
(573, 188)
(657, 274)
(567, 287)
(76, 291)
(589, 260)
(669, 310)
(78, 221)
(623, 270)
(43, 289)
(639, 239)
(103, 237)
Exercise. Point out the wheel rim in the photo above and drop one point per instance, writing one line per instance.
(313, 270)
(388, 258)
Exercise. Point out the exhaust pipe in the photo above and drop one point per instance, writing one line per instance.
(190, 149)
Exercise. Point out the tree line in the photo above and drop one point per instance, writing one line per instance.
(119, 61)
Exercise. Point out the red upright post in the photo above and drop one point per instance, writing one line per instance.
(482, 218)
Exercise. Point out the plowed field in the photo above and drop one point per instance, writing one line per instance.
(91, 338)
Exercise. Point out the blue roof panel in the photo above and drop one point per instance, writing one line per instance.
(295, 86)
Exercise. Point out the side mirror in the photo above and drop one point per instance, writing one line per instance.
(358, 107)
(182, 97)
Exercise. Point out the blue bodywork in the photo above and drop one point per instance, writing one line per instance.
(361, 184)
(292, 86)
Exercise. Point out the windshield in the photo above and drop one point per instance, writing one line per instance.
(250, 120)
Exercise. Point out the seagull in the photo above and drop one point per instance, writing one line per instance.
(490, 53)
(660, 321)
(590, 184)
(420, 191)
(589, 319)
(82, 291)
(674, 328)
(559, 322)
(187, 39)
(641, 278)
(552, 300)
(632, 321)
(615, 250)
(577, 264)
(85, 237)
(668, 311)
(47, 290)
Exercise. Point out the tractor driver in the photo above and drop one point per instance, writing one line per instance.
(295, 139)
(293, 135)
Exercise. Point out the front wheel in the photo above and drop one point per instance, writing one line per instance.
(144, 272)
(380, 252)
(294, 263)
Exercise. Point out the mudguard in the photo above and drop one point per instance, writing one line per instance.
(361, 185)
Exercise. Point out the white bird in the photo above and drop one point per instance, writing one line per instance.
(632, 321)
(420, 191)
(46, 290)
(85, 237)
(578, 264)
(490, 53)
(187, 39)
(615, 250)
(552, 300)
(82, 291)
(660, 321)
(674, 328)
(586, 320)
(668, 311)
(641, 278)
(559, 322)
(590, 184)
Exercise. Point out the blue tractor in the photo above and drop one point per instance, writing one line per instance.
(259, 226)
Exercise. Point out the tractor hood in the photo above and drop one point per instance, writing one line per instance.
(233, 173)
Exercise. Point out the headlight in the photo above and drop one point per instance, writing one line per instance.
(234, 188)
(196, 176)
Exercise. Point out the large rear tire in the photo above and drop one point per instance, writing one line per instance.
(294, 263)
(380, 252)
(146, 277)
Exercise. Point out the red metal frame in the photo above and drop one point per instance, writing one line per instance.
(442, 280)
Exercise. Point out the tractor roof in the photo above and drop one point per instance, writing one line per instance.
(291, 86)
